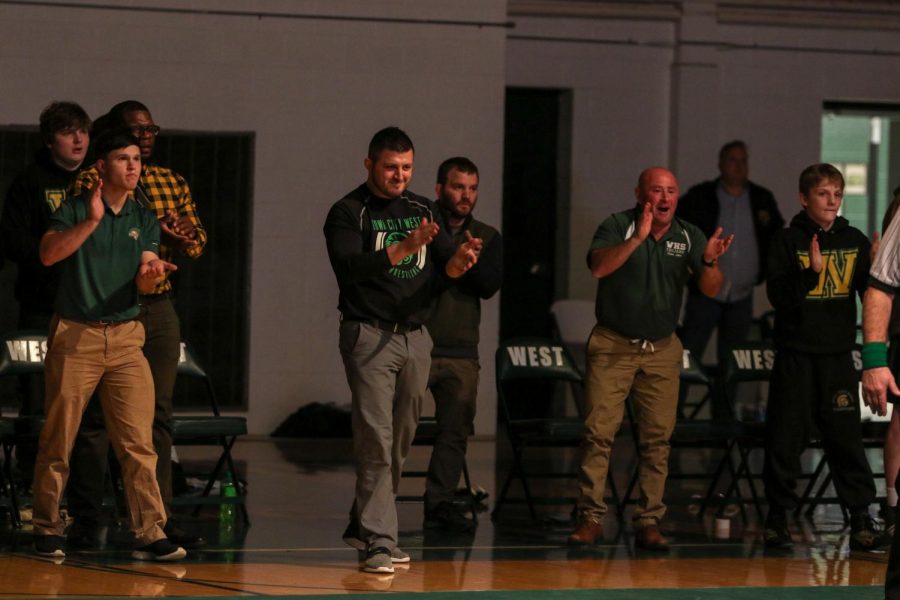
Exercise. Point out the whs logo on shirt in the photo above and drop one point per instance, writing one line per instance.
(676, 248)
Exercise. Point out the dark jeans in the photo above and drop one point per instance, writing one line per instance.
(454, 384)
(809, 390)
(702, 315)
(89, 457)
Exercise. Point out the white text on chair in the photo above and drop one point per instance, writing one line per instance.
(27, 350)
(754, 359)
(536, 356)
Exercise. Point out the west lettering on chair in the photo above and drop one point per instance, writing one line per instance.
(753, 359)
(27, 350)
(536, 356)
(21, 353)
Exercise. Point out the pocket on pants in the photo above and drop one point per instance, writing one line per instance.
(348, 336)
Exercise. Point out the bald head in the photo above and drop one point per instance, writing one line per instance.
(658, 187)
(652, 172)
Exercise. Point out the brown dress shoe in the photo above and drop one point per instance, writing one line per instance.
(587, 533)
(649, 537)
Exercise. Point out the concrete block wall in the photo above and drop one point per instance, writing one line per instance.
(313, 91)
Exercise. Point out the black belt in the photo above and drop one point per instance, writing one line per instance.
(100, 323)
(391, 327)
(145, 299)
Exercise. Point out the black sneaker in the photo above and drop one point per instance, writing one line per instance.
(51, 546)
(864, 536)
(776, 534)
(182, 538)
(161, 550)
(449, 517)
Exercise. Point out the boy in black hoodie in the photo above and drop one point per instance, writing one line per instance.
(816, 268)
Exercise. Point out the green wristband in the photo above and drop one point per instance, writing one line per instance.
(874, 355)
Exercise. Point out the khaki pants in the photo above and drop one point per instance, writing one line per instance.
(617, 368)
(80, 359)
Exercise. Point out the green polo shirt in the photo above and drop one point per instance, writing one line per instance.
(97, 280)
(642, 298)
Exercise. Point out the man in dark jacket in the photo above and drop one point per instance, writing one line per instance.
(33, 196)
(454, 329)
(750, 211)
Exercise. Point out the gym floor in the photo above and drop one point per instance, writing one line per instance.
(300, 492)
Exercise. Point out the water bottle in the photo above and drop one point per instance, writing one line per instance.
(226, 511)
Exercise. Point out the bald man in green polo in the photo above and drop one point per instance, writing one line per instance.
(107, 246)
(642, 258)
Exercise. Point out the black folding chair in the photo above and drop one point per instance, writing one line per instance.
(532, 362)
(209, 430)
(426, 433)
(746, 362)
(21, 353)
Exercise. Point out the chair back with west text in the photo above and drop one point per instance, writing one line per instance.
(523, 366)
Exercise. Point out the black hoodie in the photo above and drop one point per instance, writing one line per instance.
(816, 312)
(33, 196)
(358, 230)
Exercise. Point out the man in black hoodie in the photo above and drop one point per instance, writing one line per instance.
(816, 268)
(33, 196)
(391, 256)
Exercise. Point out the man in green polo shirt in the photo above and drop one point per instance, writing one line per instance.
(642, 258)
(107, 246)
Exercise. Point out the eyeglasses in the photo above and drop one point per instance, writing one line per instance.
(140, 130)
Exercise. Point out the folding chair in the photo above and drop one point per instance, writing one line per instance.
(21, 353)
(531, 361)
(8, 496)
(693, 375)
(747, 362)
(426, 432)
(691, 433)
(211, 430)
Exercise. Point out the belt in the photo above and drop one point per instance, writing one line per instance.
(391, 327)
(144, 300)
(101, 323)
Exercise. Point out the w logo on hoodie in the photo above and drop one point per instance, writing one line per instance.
(836, 277)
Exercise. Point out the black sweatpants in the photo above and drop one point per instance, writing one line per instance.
(818, 390)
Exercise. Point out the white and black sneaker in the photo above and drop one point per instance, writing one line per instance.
(161, 550)
(51, 546)
(378, 560)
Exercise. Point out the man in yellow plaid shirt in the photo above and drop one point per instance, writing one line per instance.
(168, 195)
